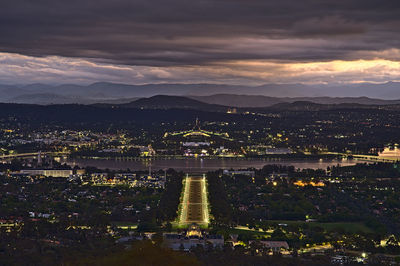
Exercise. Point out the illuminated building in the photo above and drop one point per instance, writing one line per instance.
(193, 237)
(197, 141)
(390, 152)
(47, 173)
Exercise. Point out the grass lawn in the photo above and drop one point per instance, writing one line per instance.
(344, 226)
(351, 227)
(247, 232)
(347, 227)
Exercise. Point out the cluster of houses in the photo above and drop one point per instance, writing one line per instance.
(130, 179)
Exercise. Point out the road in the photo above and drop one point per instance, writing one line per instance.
(194, 204)
(31, 154)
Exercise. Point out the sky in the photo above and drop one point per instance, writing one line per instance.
(247, 42)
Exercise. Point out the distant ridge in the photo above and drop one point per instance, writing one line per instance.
(221, 94)
(172, 102)
(165, 102)
(265, 101)
(163, 107)
(310, 106)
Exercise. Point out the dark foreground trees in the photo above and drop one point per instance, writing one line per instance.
(169, 202)
(221, 210)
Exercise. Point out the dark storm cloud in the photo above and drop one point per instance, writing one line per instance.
(176, 32)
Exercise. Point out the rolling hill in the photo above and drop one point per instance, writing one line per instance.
(222, 94)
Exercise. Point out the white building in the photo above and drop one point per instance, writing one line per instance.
(47, 173)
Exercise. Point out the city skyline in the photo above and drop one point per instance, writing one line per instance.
(208, 132)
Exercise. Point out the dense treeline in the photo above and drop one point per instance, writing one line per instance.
(360, 170)
(377, 170)
(169, 202)
(72, 114)
(167, 206)
(220, 207)
(148, 253)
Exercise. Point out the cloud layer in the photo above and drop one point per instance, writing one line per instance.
(254, 41)
(16, 68)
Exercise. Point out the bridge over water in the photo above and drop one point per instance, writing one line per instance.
(30, 154)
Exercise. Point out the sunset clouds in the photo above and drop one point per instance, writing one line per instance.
(241, 42)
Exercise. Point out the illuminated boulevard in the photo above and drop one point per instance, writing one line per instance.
(194, 203)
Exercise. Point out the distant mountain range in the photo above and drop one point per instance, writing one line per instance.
(164, 108)
(166, 102)
(266, 101)
(227, 95)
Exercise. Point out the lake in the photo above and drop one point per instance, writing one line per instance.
(203, 164)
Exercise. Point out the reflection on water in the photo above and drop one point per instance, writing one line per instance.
(203, 165)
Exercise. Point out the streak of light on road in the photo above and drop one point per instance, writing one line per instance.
(195, 188)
